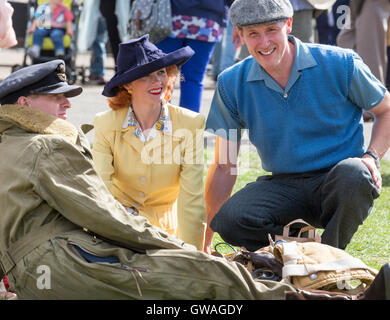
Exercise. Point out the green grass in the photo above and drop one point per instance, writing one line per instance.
(371, 243)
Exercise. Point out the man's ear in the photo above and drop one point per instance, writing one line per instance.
(289, 25)
(237, 37)
(22, 100)
(239, 33)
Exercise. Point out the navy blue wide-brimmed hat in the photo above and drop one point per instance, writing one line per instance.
(138, 58)
(42, 78)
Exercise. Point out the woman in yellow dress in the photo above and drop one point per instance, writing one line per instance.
(149, 152)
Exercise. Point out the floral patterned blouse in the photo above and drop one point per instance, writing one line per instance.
(197, 28)
(163, 124)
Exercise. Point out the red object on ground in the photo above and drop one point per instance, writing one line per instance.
(6, 284)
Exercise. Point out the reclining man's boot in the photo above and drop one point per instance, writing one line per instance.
(380, 287)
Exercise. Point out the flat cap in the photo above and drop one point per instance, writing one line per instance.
(246, 13)
(42, 78)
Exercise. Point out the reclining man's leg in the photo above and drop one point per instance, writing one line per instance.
(158, 274)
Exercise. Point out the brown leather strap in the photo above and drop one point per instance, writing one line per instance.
(312, 232)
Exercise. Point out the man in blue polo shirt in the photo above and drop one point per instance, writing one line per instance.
(302, 105)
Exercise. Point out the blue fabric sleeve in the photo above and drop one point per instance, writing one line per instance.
(223, 119)
(39, 11)
(365, 90)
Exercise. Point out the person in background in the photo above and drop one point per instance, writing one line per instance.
(98, 56)
(93, 34)
(107, 9)
(7, 32)
(367, 34)
(198, 24)
(224, 52)
(326, 23)
(303, 27)
(305, 12)
(51, 19)
(100, 20)
(149, 152)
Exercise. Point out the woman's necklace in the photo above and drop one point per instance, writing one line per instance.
(158, 122)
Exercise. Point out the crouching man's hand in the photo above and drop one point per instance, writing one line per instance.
(376, 175)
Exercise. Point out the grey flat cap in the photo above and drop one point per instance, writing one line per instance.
(43, 78)
(245, 13)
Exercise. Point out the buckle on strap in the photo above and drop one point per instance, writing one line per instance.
(6, 262)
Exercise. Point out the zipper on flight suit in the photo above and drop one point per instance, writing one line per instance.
(121, 266)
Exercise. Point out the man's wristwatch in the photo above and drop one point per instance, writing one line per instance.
(374, 156)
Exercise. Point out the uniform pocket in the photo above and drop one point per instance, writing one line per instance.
(91, 258)
(106, 268)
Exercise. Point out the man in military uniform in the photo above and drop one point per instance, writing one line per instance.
(62, 234)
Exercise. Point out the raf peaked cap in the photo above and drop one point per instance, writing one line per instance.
(43, 78)
(246, 13)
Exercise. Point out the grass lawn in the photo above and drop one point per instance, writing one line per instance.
(371, 243)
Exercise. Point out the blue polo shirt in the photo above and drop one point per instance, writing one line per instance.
(314, 123)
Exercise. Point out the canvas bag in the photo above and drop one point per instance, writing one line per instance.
(306, 265)
(314, 265)
(309, 264)
(153, 17)
(313, 235)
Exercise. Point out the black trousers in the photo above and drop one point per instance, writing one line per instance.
(107, 9)
(338, 200)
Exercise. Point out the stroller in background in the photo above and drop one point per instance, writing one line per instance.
(47, 49)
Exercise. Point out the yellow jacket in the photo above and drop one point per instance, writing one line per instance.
(152, 176)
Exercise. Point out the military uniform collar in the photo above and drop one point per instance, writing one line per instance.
(34, 120)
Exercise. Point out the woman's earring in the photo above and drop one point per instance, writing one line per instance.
(130, 91)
